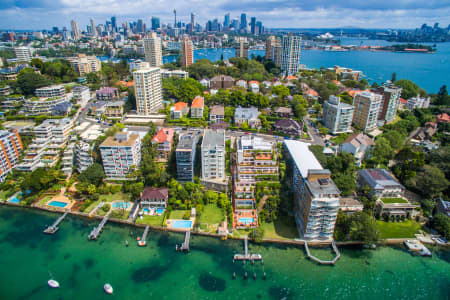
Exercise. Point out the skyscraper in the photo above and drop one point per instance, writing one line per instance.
(253, 25)
(192, 28)
(242, 48)
(140, 26)
(243, 22)
(270, 42)
(259, 28)
(155, 23)
(152, 50)
(113, 23)
(226, 21)
(366, 105)
(94, 29)
(76, 35)
(187, 53)
(290, 54)
(147, 85)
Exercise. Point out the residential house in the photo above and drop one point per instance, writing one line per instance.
(247, 114)
(443, 118)
(154, 197)
(358, 145)
(216, 113)
(179, 110)
(425, 133)
(242, 83)
(221, 82)
(283, 112)
(197, 107)
(205, 82)
(164, 139)
(254, 86)
(288, 126)
(107, 94)
(381, 183)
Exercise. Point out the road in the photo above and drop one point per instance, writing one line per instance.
(315, 136)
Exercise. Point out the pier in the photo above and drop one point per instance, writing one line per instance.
(324, 262)
(142, 240)
(97, 230)
(246, 255)
(185, 245)
(54, 227)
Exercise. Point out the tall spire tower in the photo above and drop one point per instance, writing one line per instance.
(175, 14)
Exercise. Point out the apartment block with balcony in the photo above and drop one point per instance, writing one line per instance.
(316, 197)
(83, 64)
(367, 106)
(81, 93)
(213, 155)
(119, 154)
(50, 91)
(185, 155)
(10, 150)
(68, 159)
(337, 116)
(83, 157)
(389, 102)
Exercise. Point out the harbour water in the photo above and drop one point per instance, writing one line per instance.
(28, 258)
(429, 71)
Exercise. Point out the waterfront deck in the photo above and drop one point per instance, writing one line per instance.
(324, 262)
(54, 227)
(142, 241)
(97, 230)
(246, 255)
(185, 245)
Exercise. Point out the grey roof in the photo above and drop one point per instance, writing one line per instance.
(378, 179)
(246, 113)
(187, 140)
(214, 138)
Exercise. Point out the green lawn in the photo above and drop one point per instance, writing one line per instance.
(340, 138)
(177, 214)
(280, 229)
(211, 214)
(120, 214)
(92, 206)
(114, 197)
(4, 195)
(150, 220)
(45, 200)
(393, 200)
(405, 229)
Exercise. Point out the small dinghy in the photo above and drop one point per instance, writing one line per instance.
(108, 288)
(53, 283)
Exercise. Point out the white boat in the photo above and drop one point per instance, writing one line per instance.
(417, 247)
(53, 283)
(108, 288)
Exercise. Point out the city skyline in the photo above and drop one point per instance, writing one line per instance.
(44, 14)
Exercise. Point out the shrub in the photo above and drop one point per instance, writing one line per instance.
(106, 207)
(187, 215)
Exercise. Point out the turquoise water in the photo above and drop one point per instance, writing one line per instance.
(28, 258)
(182, 224)
(121, 204)
(58, 204)
(159, 210)
(246, 220)
(14, 200)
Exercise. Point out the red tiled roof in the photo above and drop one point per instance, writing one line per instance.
(179, 105)
(197, 102)
(291, 77)
(443, 118)
(155, 193)
(160, 136)
(403, 101)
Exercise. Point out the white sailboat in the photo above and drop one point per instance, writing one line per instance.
(53, 283)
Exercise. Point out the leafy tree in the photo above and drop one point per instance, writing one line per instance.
(211, 197)
(28, 81)
(441, 223)
(382, 152)
(395, 138)
(394, 77)
(281, 91)
(257, 234)
(346, 98)
(93, 174)
(364, 228)
(442, 98)
(409, 88)
(430, 181)
(408, 162)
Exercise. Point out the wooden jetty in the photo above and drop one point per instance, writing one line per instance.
(324, 262)
(185, 245)
(97, 230)
(54, 227)
(246, 255)
(142, 240)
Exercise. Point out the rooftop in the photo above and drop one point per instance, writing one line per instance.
(155, 193)
(198, 102)
(120, 140)
(217, 110)
(214, 138)
(378, 178)
(187, 140)
(303, 158)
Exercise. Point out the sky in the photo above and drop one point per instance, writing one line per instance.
(44, 14)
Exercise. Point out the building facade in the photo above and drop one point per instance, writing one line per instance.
(119, 154)
(185, 155)
(107, 94)
(187, 51)
(10, 150)
(316, 197)
(213, 155)
(148, 90)
(153, 50)
(197, 107)
(22, 54)
(290, 54)
(337, 116)
(83, 64)
(389, 102)
(164, 139)
(366, 108)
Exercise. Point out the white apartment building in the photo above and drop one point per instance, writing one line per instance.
(316, 197)
(41, 106)
(367, 106)
(83, 158)
(213, 155)
(76, 34)
(68, 159)
(81, 93)
(290, 54)
(50, 91)
(147, 84)
(119, 154)
(49, 138)
(418, 102)
(174, 73)
(153, 50)
(23, 53)
(10, 150)
(83, 64)
(337, 116)
(389, 102)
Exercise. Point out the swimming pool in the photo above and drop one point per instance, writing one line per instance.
(121, 204)
(182, 224)
(14, 200)
(57, 204)
(246, 220)
(159, 210)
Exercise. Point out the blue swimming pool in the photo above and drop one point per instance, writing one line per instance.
(182, 224)
(57, 204)
(121, 204)
(159, 210)
(14, 200)
(246, 220)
